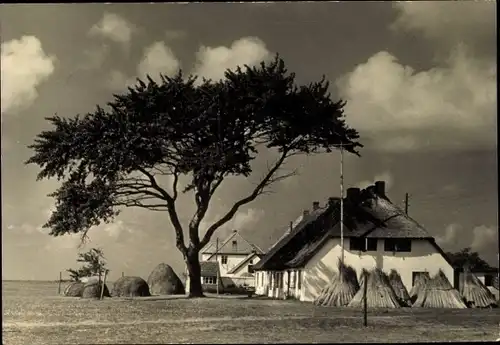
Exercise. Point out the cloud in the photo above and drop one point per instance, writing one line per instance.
(158, 58)
(242, 220)
(95, 57)
(385, 176)
(485, 239)
(172, 35)
(402, 109)
(117, 80)
(450, 236)
(24, 66)
(211, 63)
(113, 27)
(449, 23)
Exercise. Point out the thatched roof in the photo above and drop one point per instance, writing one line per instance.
(439, 293)
(74, 289)
(130, 287)
(476, 294)
(399, 288)
(93, 290)
(421, 280)
(342, 288)
(379, 292)
(367, 213)
(164, 281)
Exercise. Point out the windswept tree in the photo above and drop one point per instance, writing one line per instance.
(468, 259)
(94, 264)
(205, 131)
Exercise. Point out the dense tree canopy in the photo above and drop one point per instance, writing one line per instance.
(112, 158)
(468, 259)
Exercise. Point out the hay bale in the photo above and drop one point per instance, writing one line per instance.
(164, 281)
(342, 288)
(74, 289)
(379, 292)
(476, 294)
(420, 282)
(130, 287)
(93, 290)
(439, 293)
(399, 288)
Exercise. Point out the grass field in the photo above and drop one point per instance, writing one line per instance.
(34, 314)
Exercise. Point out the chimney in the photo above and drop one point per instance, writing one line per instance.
(380, 188)
(353, 193)
(306, 213)
(315, 205)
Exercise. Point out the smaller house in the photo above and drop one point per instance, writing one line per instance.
(231, 260)
(210, 276)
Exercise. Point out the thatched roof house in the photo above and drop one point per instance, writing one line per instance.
(476, 294)
(438, 293)
(377, 234)
(379, 292)
(130, 287)
(341, 289)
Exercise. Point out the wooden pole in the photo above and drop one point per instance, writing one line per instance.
(217, 260)
(365, 307)
(103, 283)
(406, 203)
(341, 207)
(60, 281)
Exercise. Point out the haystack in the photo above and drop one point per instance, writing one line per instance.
(379, 292)
(74, 289)
(164, 281)
(93, 290)
(476, 294)
(130, 287)
(438, 293)
(419, 283)
(341, 289)
(399, 288)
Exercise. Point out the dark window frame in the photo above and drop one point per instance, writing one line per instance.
(363, 244)
(223, 259)
(398, 245)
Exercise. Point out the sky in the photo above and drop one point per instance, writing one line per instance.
(419, 79)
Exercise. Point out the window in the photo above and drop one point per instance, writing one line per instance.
(235, 245)
(299, 279)
(250, 269)
(224, 259)
(359, 244)
(397, 245)
(209, 280)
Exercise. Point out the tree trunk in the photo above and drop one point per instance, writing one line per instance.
(194, 273)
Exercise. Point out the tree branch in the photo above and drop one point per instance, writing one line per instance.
(268, 179)
(172, 212)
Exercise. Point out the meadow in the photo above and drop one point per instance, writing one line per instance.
(34, 314)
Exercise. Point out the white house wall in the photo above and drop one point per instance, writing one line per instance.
(232, 261)
(423, 257)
